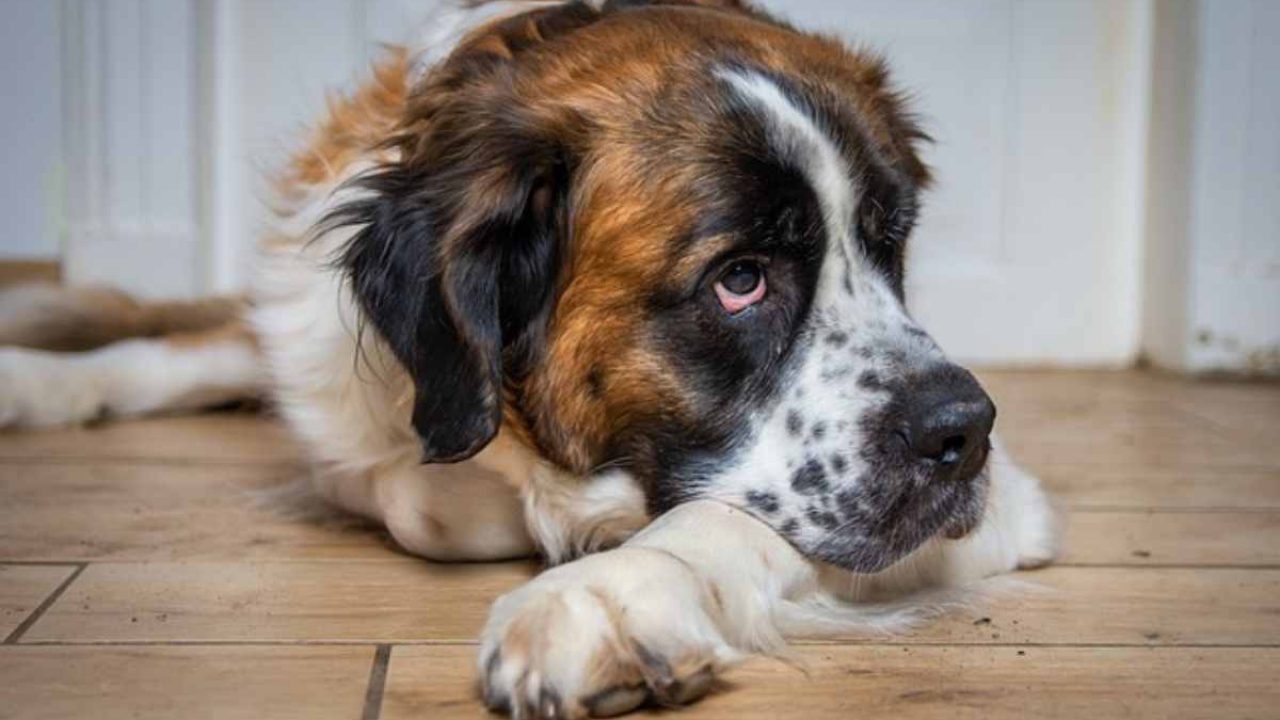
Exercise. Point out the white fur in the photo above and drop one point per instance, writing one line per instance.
(126, 379)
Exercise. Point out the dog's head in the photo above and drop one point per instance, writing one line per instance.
(669, 237)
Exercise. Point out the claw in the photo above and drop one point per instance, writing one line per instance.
(694, 687)
(616, 701)
(549, 705)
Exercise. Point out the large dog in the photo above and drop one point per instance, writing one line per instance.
(619, 284)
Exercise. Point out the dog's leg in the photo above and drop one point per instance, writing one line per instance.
(656, 619)
(129, 378)
(448, 513)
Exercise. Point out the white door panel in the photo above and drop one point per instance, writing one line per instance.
(1027, 249)
(1022, 254)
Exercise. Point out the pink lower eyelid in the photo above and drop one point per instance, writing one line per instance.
(737, 303)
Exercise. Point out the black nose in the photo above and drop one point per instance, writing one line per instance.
(950, 416)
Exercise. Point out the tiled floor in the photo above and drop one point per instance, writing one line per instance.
(152, 569)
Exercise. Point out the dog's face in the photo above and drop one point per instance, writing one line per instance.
(670, 239)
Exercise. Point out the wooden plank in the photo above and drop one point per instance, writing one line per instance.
(1160, 436)
(1250, 412)
(79, 511)
(1076, 486)
(227, 683)
(344, 601)
(86, 512)
(918, 683)
(1133, 421)
(23, 588)
(413, 601)
(1121, 606)
(225, 437)
(1173, 538)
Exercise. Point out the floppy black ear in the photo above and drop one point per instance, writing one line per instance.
(455, 255)
(453, 263)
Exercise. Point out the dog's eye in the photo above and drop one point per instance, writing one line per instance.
(741, 286)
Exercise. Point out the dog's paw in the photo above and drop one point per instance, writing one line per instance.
(39, 389)
(602, 636)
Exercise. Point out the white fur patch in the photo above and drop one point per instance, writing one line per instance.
(126, 379)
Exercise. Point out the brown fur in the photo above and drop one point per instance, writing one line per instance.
(629, 211)
(48, 317)
(353, 126)
(597, 373)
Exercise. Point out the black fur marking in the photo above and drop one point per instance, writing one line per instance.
(595, 383)
(765, 502)
(822, 518)
(819, 430)
(795, 423)
(810, 479)
(850, 502)
(871, 380)
(839, 464)
(837, 339)
(791, 526)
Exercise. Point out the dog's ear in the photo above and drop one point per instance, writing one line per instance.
(455, 255)
(453, 264)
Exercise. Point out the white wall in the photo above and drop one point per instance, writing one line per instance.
(133, 152)
(273, 63)
(1027, 249)
(1030, 103)
(1213, 251)
(1107, 168)
(30, 127)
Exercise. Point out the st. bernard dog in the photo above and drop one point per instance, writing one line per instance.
(620, 284)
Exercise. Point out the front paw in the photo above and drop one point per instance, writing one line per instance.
(602, 636)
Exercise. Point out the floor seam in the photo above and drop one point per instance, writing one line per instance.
(48, 602)
(149, 462)
(1167, 566)
(377, 683)
(44, 563)
(475, 643)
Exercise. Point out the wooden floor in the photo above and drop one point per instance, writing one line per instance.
(149, 570)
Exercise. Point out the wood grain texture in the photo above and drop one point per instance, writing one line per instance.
(212, 590)
(95, 511)
(413, 601)
(23, 588)
(1122, 606)
(1172, 538)
(918, 683)
(78, 511)
(165, 683)
(1162, 488)
(404, 600)
(227, 437)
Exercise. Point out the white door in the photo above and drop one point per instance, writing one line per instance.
(1028, 247)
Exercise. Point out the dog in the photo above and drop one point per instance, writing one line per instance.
(620, 284)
